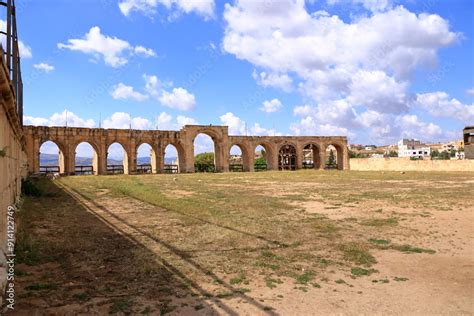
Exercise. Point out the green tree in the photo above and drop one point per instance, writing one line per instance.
(332, 159)
(434, 154)
(444, 155)
(392, 153)
(204, 159)
(260, 161)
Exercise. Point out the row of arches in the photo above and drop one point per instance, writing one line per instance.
(86, 159)
(241, 158)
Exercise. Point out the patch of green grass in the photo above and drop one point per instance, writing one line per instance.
(198, 307)
(357, 271)
(27, 250)
(358, 253)
(391, 221)
(398, 279)
(268, 254)
(146, 311)
(304, 278)
(224, 294)
(340, 281)
(411, 249)
(379, 241)
(237, 280)
(40, 287)
(123, 305)
(271, 283)
(316, 285)
(30, 188)
(81, 296)
(20, 273)
(242, 290)
(381, 281)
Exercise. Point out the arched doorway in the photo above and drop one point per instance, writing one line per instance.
(334, 157)
(51, 158)
(236, 159)
(261, 159)
(86, 161)
(117, 159)
(287, 157)
(146, 159)
(171, 159)
(204, 153)
(311, 157)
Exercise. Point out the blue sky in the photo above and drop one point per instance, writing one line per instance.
(375, 71)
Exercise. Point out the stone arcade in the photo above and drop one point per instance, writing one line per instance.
(281, 151)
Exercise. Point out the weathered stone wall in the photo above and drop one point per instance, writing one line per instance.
(67, 139)
(12, 162)
(405, 164)
(469, 151)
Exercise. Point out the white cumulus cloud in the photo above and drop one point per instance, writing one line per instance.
(44, 67)
(178, 98)
(124, 92)
(204, 8)
(439, 104)
(271, 106)
(59, 119)
(114, 51)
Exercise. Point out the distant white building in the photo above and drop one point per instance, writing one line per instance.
(413, 148)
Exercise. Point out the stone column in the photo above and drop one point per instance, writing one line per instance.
(248, 158)
(69, 159)
(345, 158)
(272, 158)
(102, 157)
(322, 157)
(221, 156)
(156, 158)
(299, 157)
(187, 162)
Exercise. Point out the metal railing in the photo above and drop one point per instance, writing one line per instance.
(115, 169)
(260, 167)
(49, 169)
(81, 170)
(12, 54)
(145, 168)
(170, 169)
(236, 168)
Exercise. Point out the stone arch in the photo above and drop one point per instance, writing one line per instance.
(311, 155)
(181, 156)
(80, 168)
(270, 154)
(339, 155)
(219, 136)
(146, 166)
(247, 156)
(63, 156)
(113, 168)
(287, 156)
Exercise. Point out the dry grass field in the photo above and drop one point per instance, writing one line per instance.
(290, 243)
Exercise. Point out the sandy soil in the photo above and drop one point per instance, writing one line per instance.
(416, 283)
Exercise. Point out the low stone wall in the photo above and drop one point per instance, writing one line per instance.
(405, 164)
(13, 166)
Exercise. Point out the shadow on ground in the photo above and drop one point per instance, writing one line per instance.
(71, 262)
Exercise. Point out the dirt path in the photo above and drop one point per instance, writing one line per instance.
(118, 254)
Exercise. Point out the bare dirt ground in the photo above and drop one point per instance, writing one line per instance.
(289, 243)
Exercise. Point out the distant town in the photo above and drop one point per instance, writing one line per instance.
(416, 149)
